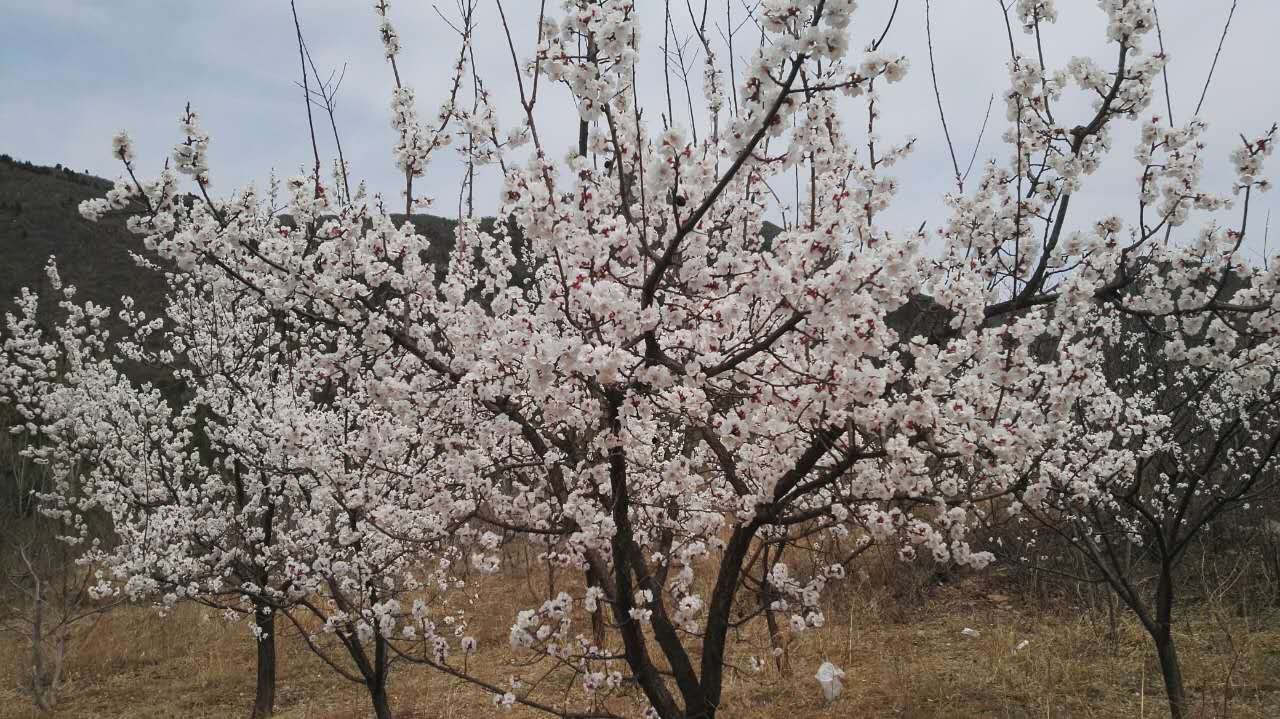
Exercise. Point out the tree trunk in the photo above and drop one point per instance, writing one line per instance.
(718, 615)
(378, 695)
(39, 688)
(377, 680)
(1172, 672)
(1163, 635)
(598, 627)
(264, 700)
(374, 671)
(781, 659)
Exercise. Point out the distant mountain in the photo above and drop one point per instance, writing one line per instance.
(39, 218)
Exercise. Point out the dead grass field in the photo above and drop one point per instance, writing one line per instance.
(900, 662)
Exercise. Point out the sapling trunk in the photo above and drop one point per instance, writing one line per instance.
(265, 695)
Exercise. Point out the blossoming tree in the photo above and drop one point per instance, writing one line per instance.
(253, 492)
(1189, 339)
(703, 422)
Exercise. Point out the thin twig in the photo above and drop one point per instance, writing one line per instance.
(1164, 70)
(978, 143)
(892, 14)
(1218, 52)
(302, 60)
(937, 94)
(328, 91)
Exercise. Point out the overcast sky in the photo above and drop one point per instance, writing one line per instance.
(72, 72)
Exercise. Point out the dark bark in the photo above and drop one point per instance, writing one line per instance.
(599, 627)
(1172, 672)
(373, 671)
(378, 695)
(718, 620)
(633, 639)
(1157, 619)
(376, 680)
(264, 700)
(1170, 669)
(780, 656)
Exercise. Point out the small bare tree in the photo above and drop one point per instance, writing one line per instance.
(45, 601)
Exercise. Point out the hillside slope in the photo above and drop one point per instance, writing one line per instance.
(39, 219)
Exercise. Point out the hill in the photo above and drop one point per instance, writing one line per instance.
(38, 218)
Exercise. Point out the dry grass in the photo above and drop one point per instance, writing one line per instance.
(899, 662)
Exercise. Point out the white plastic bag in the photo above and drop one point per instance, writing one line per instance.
(829, 677)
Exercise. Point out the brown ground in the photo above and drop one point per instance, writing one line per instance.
(899, 663)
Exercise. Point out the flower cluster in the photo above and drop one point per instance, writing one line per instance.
(640, 381)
